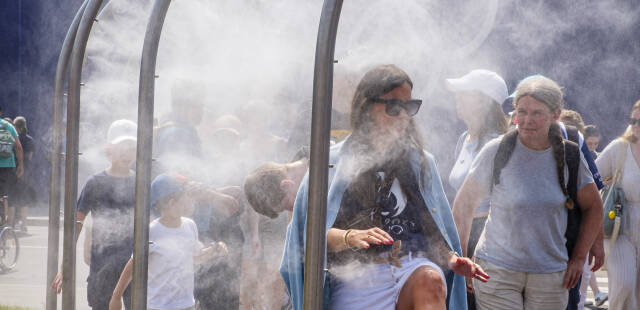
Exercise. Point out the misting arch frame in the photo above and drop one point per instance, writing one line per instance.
(73, 51)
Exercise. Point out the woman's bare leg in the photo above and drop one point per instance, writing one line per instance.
(424, 290)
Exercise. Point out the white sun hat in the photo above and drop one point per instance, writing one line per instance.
(484, 81)
(122, 130)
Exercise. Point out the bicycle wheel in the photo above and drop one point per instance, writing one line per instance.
(9, 249)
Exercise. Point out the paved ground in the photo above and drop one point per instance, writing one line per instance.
(25, 285)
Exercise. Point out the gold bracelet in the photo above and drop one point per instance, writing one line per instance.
(346, 235)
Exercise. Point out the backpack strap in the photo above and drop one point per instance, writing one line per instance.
(574, 216)
(505, 149)
(573, 134)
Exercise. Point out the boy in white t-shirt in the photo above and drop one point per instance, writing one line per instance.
(173, 248)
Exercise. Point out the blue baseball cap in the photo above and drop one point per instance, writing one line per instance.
(165, 185)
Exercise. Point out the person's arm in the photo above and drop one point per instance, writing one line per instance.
(253, 223)
(87, 242)
(340, 240)
(607, 161)
(468, 198)
(56, 285)
(248, 285)
(19, 157)
(592, 213)
(465, 267)
(208, 253)
(125, 278)
(222, 199)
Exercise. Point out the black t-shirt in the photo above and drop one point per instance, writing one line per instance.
(389, 199)
(111, 202)
(28, 146)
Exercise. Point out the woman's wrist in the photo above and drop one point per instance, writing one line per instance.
(452, 258)
(345, 238)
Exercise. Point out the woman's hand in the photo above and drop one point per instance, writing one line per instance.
(574, 272)
(467, 268)
(363, 239)
(216, 249)
(56, 285)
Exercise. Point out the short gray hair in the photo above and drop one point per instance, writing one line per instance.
(542, 89)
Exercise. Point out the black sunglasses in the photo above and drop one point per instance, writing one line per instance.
(634, 121)
(394, 106)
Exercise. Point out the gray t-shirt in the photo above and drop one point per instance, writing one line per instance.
(527, 217)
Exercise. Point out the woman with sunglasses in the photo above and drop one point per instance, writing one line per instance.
(624, 258)
(479, 95)
(391, 239)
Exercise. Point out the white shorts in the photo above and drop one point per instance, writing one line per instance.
(373, 286)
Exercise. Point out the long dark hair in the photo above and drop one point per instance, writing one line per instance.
(376, 82)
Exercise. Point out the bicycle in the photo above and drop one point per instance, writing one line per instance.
(9, 245)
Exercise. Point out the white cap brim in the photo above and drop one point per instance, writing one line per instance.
(121, 139)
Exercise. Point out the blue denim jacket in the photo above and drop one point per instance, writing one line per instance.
(292, 263)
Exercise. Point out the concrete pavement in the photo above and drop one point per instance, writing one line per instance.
(26, 284)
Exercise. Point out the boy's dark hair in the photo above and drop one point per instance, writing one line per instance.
(591, 131)
(262, 188)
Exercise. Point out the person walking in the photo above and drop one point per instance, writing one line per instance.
(479, 95)
(11, 168)
(623, 263)
(523, 246)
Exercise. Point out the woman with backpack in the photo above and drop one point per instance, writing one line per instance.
(623, 262)
(479, 95)
(525, 173)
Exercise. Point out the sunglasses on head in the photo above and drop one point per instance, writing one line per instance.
(634, 121)
(394, 106)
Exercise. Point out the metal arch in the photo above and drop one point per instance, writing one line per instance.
(143, 157)
(71, 164)
(55, 157)
(318, 167)
(320, 133)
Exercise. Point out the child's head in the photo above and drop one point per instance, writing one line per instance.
(272, 187)
(592, 137)
(121, 142)
(169, 196)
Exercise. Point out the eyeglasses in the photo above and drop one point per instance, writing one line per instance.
(634, 121)
(394, 106)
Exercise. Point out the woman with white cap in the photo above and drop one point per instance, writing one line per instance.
(479, 95)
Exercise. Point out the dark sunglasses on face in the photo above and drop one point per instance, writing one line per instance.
(634, 121)
(394, 106)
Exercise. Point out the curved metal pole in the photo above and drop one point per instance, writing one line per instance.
(55, 157)
(143, 155)
(71, 164)
(318, 168)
